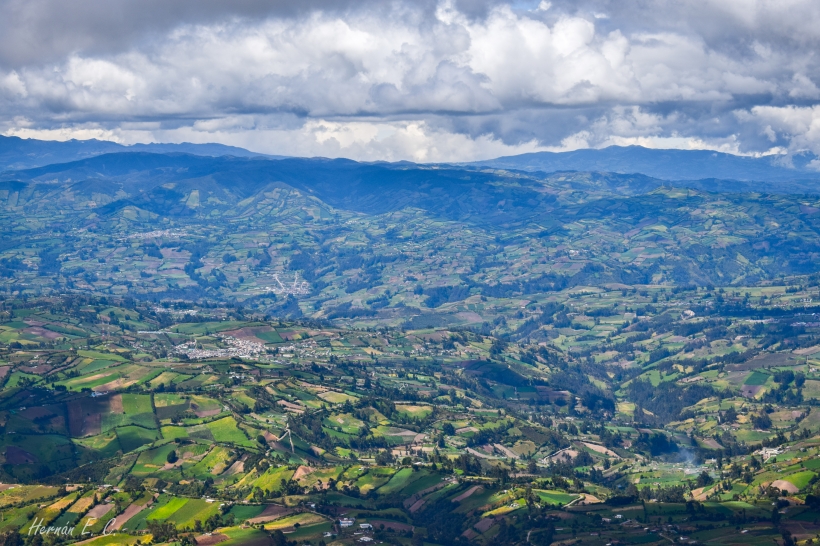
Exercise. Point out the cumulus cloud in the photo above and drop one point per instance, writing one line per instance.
(426, 81)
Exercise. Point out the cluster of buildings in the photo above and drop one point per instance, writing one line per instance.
(235, 348)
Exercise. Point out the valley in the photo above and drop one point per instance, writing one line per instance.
(200, 350)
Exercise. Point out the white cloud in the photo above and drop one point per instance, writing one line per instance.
(13, 86)
(799, 126)
(431, 85)
(635, 127)
(363, 140)
(803, 88)
(64, 133)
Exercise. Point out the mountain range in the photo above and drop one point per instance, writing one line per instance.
(336, 233)
(20, 153)
(667, 164)
(799, 172)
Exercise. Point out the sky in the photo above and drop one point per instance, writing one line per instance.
(427, 81)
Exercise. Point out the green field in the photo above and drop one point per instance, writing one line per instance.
(756, 378)
(272, 478)
(374, 479)
(244, 537)
(194, 509)
(132, 437)
(270, 337)
(167, 509)
(226, 430)
(103, 444)
(134, 404)
(555, 497)
(172, 432)
(102, 356)
(399, 481)
(801, 479)
(242, 513)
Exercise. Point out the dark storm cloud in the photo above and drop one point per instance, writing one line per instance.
(35, 31)
(420, 80)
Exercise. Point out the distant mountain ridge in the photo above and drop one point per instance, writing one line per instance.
(24, 153)
(567, 228)
(662, 164)
(665, 164)
(384, 184)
